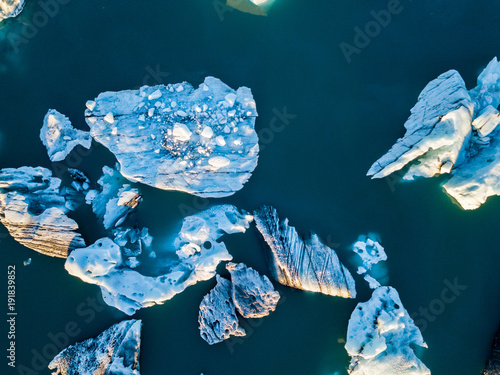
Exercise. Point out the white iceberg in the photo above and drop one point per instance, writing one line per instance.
(453, 131)
(371, 252)
(115, 200)
(10, 8)
(303, 264)
(198, 248)
(116, 351)
(33, 208)
(380, 335)
(174, 137)
(60, 137)
(253, 294)
(217, 317)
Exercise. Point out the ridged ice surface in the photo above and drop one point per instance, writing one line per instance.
(305, 264)
(114, 352)
(217, 317)
(199, 253)
(253, 294)
(453, 131)
(33, 208)
(60, 137)
(174, 137)
(115, 199)
(379, 336)
(10, 8)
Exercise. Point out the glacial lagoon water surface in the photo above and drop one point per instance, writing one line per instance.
(335, 118)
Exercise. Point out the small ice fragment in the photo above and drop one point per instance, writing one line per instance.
(90, 104)
(207, 132)
(27, 262)
(220, 140)
(155, 95)
(109, 118)
(114, 131)
(230, 99)
(173, 104)
(179, 88)
(181, 132)
(181, 113)
(219, 161)
(151, 112)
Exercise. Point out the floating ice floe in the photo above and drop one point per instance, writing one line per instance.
(60, 137)
(10, 8)
(371, 252)
(256, 7)
(115, 200)
(217, 317)
(305, 264)
(33, 208)
(199, 253)
(380, 336)
(115, 352)
(174, 137)
(453, 131)
(253, 294)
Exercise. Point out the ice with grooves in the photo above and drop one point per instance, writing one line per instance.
(33, 208)
(114, 352)
(60, 137)
(305, 264)
(174, 137)
(115, 200)
(217, 317)
(380, 334)
(453, 131)
(199, 252)
(253, 294)
(10, 8)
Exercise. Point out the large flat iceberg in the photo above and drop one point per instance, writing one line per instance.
(199, 251)
(33, 208)
(305, 264)
(116, 351)
(174, 137)
(379, 336)
(453, 131)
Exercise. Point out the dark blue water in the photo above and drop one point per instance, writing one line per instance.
(345, 116)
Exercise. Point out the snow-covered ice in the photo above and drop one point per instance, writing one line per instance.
(60, 137)
(305, 264)
(174, 137)
(10, 8)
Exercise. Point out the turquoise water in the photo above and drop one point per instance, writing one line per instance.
(312, 170)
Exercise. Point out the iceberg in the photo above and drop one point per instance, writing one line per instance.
(199, 252)
(371, 252)
(217, 317)
(453, 131)
(60, 137)
(493, 365)
(115, 351)
(305, 264)
(379, 335)
(256, 7)
(115, 200)
(253, 295)
(174, 137)
(10, 8)
(33, 208)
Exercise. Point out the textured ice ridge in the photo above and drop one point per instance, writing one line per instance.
(10, 8)
(199, 253)
(60, 137)
(174, 137)
(453, 131)
(305, 264)
(114, 352)
(33, 208)
(379, 336)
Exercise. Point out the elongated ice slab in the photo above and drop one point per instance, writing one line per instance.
(10, 8)
(114, 352)
(198, 249)
(33, 208)
(217, 317)
(303, 263)
(174, 137)
(60, 137)
(453, 131)
(379, 336)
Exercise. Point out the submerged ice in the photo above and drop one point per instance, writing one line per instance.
(174, 137)
(199, 252)
(305, 264)
(380, 335)
(453, 131)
